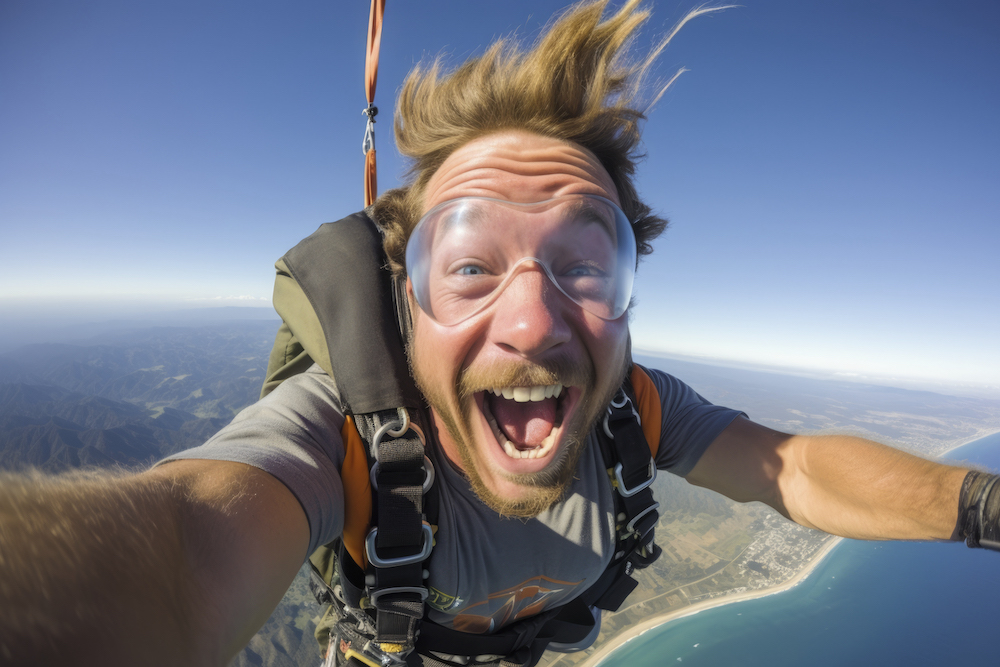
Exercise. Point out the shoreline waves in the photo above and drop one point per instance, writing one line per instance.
(690, 610)
(980, 434)
(623, 638)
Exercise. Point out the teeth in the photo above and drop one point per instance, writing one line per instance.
(528, 394)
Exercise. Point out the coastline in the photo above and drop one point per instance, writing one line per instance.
(982, 433)
(621, 639)
(661, 619)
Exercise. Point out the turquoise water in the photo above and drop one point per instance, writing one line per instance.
(868, 603)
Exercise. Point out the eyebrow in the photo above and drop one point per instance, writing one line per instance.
(586, 213)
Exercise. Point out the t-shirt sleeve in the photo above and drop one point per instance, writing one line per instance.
(689, 423)
(294, 434)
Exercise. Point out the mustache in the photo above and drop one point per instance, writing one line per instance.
(558, 370)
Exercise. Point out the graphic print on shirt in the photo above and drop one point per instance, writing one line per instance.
(528, 598)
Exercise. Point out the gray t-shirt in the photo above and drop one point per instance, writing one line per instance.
(486, 570)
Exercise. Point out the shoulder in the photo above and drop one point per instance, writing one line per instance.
(302, 414)
(667, 386)
(308, 400)
(293, 434)
(689, 422)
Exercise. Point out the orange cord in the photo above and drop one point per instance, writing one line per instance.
(371, 76)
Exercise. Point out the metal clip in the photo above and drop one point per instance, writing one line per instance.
(369, 141)
(619, 403)
(627, 492)
(402, 560)
(631, 524)
(396, 428)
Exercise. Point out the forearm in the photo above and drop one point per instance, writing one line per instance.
(857, 488)
(177, 566)
(93, 570)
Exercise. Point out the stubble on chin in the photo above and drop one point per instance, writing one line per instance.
(540, 490)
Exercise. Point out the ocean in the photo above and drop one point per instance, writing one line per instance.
(868, 603)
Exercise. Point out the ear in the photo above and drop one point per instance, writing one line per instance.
(411, 298)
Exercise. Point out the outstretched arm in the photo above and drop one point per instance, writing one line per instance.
(177, 565)
(839, 484)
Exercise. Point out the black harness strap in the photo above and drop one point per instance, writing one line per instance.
(632, 471)
(342, 270)
(400, 540)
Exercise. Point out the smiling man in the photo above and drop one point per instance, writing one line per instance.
(520, 448)
(481, 497)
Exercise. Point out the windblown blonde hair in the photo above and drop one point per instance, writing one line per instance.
(576, 84)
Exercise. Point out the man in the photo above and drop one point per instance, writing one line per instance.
(519, 343)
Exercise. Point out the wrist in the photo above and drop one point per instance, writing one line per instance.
(979, 511)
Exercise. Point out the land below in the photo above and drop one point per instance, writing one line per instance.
(129, 397)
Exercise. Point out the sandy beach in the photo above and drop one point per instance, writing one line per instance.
(982, 433)
(690, 610)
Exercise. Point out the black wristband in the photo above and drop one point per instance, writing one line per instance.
(979, 510)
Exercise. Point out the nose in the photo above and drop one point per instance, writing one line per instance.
(530, 315)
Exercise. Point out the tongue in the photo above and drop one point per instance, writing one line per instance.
(525, 424)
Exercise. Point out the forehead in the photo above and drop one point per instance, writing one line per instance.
(518, 167)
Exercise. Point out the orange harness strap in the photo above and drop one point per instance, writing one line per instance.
(649, 407)
(357, 493)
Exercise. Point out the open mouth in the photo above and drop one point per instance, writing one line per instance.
(526, 421)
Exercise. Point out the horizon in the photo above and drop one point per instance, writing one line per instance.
(829, 171)
(84, 324)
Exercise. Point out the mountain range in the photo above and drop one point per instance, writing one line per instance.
(127, 399)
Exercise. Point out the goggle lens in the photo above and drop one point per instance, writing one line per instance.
(465, 252)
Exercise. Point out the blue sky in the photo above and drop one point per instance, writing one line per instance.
(830, 168)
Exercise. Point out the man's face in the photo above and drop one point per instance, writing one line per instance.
(518, 456)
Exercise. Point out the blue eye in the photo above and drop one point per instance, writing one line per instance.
(471, 270)
(582, 270)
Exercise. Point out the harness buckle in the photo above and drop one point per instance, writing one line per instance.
(618, 404)
(376, 594)
(623, 488)
(425, 551)
(428, 475)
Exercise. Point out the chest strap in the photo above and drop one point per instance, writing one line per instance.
(399, 538)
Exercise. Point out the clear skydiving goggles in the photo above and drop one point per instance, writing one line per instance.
(465, 252)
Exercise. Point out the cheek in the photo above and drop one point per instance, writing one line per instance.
(608, 342)
(439, 352)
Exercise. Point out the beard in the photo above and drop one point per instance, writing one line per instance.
(542, 489)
